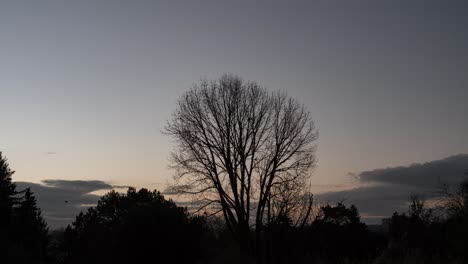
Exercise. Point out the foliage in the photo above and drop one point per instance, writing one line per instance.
(337, 233)
(7, 193)
(134, 227)
(23, 231)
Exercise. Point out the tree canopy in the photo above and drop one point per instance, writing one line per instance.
(134, 227)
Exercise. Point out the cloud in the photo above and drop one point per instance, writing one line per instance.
(177, 189)
(61, 200)
(78, 185)
(378, 201)
(434, 173)
(384, 191)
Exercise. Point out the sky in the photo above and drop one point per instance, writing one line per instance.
(86, 87)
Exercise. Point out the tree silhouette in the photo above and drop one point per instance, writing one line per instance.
(23, 231)
(236, 144)
(30, 230)
(455, 202)
(133, 228)
(338, 235)
(7, 193)
(456, 205)
(338, 214)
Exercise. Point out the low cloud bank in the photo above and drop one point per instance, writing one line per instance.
(61, 200)
(384, 191)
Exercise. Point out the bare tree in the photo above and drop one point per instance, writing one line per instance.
(241, 148)
(290, 204)
(455, 202)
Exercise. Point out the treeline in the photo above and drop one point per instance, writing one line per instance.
(141, 226)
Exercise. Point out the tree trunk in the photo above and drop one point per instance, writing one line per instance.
(246, 245)
(259, 245)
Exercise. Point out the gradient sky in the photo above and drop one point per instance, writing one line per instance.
(87, 86)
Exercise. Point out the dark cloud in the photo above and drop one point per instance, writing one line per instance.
(445, 171)
(61, 200)
(177, 189)
(78, 185)
(385, 191)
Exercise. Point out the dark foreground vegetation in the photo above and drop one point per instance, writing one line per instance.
(143, 227)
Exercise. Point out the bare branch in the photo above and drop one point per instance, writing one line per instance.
(246, 148)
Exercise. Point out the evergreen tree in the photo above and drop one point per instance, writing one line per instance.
(23, 231)
(30, 229)
(7, 193)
